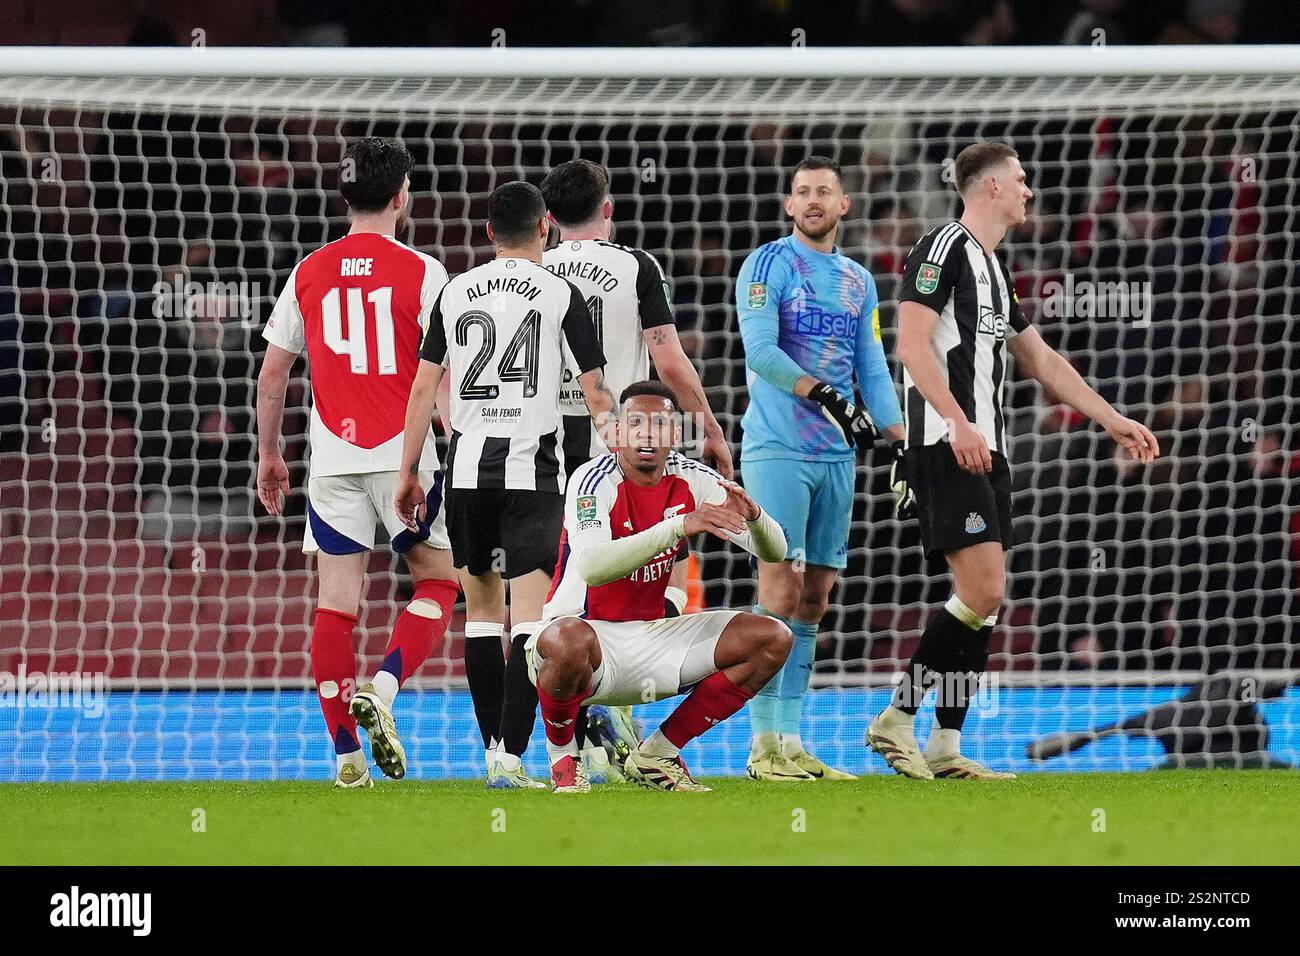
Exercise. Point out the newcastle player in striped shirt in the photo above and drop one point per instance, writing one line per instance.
(630, 307)
(503, 329)
(957, 317)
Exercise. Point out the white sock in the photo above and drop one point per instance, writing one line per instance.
(896, 719)
(657, 745)
(597, 758)
(791, 745)
(490, 755)
(555, 752)
(357, 759)
(943, 743)
(507, 761)
(386, 687)
(764, 742)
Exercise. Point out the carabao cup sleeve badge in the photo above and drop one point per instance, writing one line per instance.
(927, 279)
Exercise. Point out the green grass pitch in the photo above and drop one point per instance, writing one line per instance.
(1165, 817)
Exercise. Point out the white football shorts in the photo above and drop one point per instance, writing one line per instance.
(344, 513)
(643, 661)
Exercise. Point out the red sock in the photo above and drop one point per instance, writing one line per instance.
(560, 717)
(713, 700)
(334, 669)
(413, 634)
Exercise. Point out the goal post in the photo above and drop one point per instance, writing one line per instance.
(153, 201)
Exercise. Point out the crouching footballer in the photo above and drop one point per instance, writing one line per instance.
(605, 639)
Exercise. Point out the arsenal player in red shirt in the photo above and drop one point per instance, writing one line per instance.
(358, 307)
(606, 640)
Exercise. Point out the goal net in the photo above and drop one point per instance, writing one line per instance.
(154, 621)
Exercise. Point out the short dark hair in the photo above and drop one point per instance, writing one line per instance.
(372, 172)
(815, 162)
(514, 209)
(977, 158)
(651, 388)
(574, 190)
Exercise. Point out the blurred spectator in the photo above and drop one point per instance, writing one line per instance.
(1206, 21)
(313, 22)
(181, 374)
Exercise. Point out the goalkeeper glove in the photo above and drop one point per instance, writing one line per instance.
(852, 420)
(904, 500)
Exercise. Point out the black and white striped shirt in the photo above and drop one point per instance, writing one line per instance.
(626, 292)
(949, 272)
(503, 329)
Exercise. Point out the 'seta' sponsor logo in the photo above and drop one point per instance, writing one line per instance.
(818, 322)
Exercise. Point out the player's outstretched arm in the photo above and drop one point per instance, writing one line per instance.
(1040, 361)
(599, 559)
(678, 373)
(601, 404)
(410, 500)
(602, 561)
(916, 324)
(272, 384)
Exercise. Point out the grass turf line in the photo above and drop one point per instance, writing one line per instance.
(1166, 817)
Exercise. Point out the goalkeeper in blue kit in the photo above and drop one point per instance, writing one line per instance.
(809, 320)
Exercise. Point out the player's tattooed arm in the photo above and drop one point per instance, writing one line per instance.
(601, 403)
(679, 374)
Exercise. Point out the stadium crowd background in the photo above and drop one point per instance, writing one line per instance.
(1193, 565)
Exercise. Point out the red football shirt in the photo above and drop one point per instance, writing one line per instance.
(359, 306)
(600, 506)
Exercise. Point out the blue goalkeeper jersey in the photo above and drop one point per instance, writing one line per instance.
(803, 311)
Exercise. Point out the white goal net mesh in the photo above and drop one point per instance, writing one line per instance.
(154, 622)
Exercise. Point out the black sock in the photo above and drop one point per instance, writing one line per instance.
(485, 669)
(939, 652)
(519, 706)
(960, 686)
(580, 729)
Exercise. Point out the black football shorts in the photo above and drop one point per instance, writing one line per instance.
(957, 509)
(512, 532)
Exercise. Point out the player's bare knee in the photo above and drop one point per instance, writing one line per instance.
(782, 602)
(985, 597)
(993, 593)
(779, 592)
(568, 643)
(771, 642)
(811, 608)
